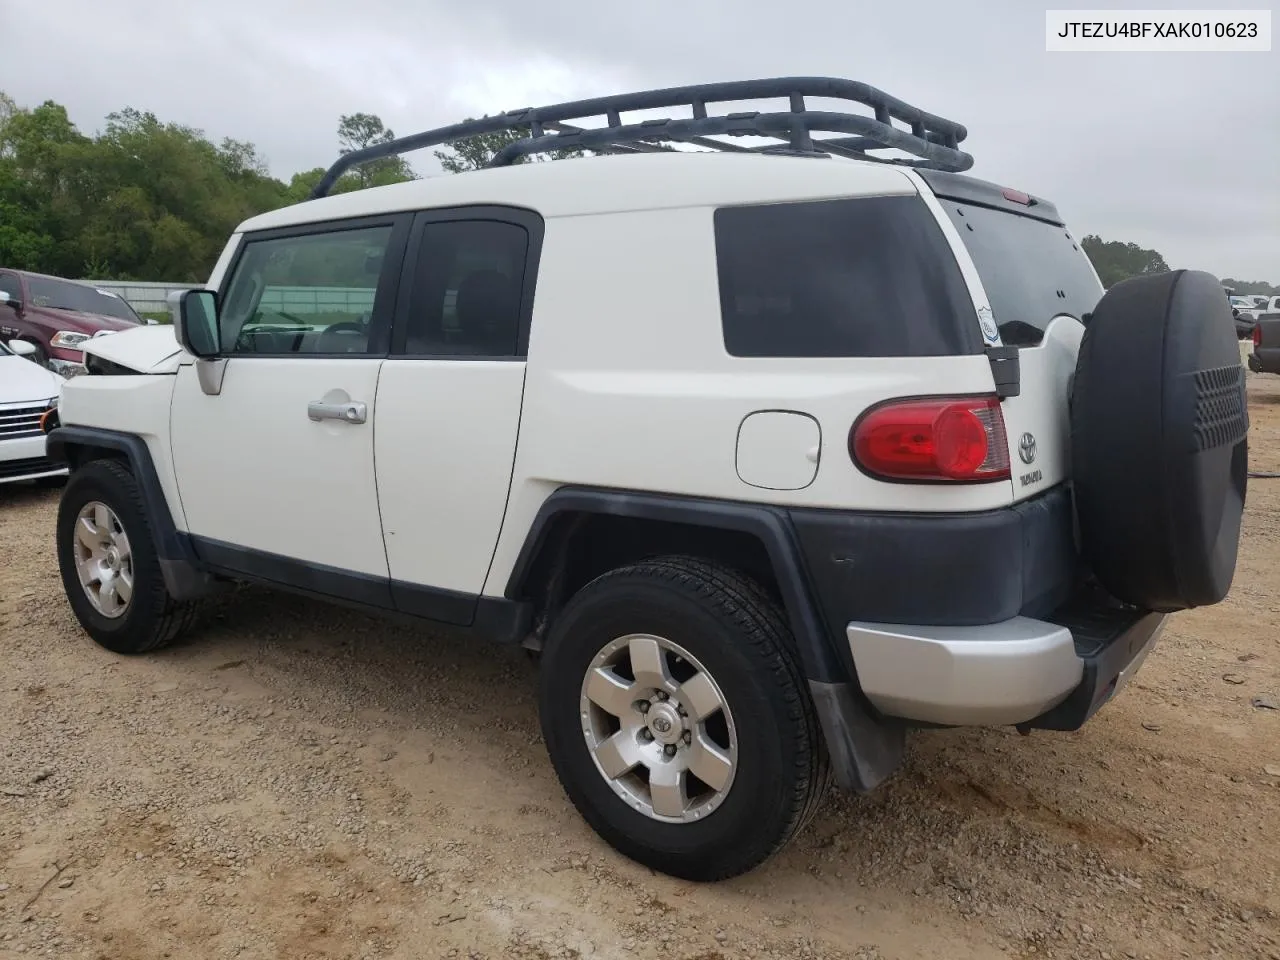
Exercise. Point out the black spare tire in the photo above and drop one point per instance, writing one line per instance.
(1159, 441)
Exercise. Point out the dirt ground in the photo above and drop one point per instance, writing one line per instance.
(305, 782)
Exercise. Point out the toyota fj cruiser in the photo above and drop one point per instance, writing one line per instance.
(772, 452)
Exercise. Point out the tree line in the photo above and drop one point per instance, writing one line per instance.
(147, 200)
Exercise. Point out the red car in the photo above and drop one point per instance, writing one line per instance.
(57, 316)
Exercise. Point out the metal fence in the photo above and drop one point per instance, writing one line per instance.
(144, 297)
(153, 297)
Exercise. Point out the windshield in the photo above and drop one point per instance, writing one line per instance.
(1031, 270)
(64, 295)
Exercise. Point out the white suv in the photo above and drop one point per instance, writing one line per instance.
(772, 453)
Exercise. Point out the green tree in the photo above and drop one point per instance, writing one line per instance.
(1116, 260)
(359, 130)
(1246, 287)
(473, 153)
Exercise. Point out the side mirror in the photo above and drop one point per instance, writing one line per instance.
(195, 322)
(22, 348)
(8, 301)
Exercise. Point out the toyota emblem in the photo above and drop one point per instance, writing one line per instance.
(662, 725)
(1027, 448)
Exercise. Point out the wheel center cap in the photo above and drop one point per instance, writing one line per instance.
(665, 724)
(113, 559)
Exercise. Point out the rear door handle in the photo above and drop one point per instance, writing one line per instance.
(350, 411)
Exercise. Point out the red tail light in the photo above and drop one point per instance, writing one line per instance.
(937, 439)
(1257, 334)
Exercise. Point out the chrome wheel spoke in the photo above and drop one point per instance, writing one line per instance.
(700, 697)
(709, 763)
(619, 755)
(107, 595)
(88, 535)
(666, 787)
(102, 519)
(610, 692)
(124, 587)
(121, 543)
(648, 663)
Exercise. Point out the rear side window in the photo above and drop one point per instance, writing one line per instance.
(1031, 270)
(863, 277)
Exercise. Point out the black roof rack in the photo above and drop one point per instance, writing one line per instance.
(933, 140)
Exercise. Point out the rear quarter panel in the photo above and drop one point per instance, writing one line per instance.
(629, 385)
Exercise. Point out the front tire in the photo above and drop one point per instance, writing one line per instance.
(675, 715)
(109, 564)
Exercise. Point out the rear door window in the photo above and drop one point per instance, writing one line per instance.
(861, 277)
(468, 293)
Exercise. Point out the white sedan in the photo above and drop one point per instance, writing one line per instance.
(28, 392)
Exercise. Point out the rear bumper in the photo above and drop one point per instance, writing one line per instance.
(940, 569)
(1265, 360)
(1049, 674)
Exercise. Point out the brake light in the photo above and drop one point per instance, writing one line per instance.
(933, 440)
(1017, 196)
(1257, 334)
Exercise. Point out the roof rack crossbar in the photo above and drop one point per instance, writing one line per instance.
(781, 125)
(932, 140)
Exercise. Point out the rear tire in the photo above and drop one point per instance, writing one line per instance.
(727, 656)
(109, 564)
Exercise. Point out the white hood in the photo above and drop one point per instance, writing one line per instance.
(147, 349)
(22, 381)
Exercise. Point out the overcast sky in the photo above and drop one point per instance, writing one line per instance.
(1179, 152)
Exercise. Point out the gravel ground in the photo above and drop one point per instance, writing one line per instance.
(298, 781)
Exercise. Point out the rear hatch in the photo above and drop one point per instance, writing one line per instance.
(1038, 284)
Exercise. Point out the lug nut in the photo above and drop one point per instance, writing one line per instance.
(663, 695)
(646, 734)
(669, 749)
(644, 706)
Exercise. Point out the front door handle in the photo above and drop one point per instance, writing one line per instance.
(350, 411)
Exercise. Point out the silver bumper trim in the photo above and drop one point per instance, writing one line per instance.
(999, 674)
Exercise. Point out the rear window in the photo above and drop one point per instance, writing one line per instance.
(864, 277)
(1031, 270)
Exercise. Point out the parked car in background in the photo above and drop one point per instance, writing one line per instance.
(1244, 323)
(28, 394)
(1266, 339)
(57, 316)
(1252, 305)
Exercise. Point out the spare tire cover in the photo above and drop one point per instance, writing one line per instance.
(1159, 441)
